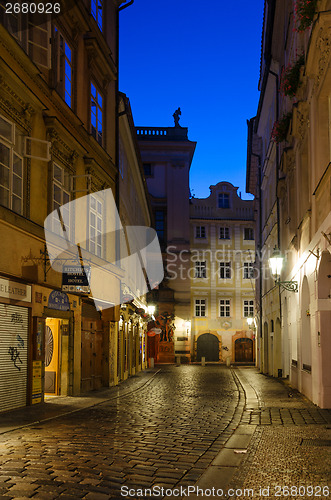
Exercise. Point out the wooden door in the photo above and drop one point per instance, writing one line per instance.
(208, 347)
(244, 350)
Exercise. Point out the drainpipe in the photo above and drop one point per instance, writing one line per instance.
(117, 130)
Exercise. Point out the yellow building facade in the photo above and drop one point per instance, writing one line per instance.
(222, 277)
(59, 136)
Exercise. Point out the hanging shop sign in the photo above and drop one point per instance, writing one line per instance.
(59, 301)
(15, 291)
(76, 279)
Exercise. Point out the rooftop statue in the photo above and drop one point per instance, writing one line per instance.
(176, 117)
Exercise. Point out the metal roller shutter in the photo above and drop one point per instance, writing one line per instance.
(13, 356)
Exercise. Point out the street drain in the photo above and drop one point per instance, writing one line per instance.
(316, 442)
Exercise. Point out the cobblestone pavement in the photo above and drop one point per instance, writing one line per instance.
(188, 425)
(289, 453)
(166, 433)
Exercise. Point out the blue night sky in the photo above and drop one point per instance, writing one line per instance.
(205, 58)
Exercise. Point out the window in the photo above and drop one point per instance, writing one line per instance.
(248, 308)
(63, 66)
(248, 270)
(11, 179)
(200, 269)
(223, 200)
(225, 308)
(61, 196)
(96, 114)
(225, 270)
(160, 225)
(248, 233)
(39, 41)
(97, 12)
(148, 170)
(200, 307)
(224, 233)
(95, 226)
(200, 232)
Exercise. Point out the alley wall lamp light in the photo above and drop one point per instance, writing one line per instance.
(276, 264)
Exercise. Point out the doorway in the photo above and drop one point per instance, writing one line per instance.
(243, 350)
(208, 347)
(52, 356)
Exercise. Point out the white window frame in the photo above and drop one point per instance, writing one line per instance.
(251, 231)
(64, 193)
(225, 308)
(248, 270)
(225, 270)
(200, 232)
(200, 306)
(62, 60)
(11, 178)
(223, 197)
(226, 233)
(200, 269)
(99, 111)
(96, 222)
(98, 17)
(248, 308)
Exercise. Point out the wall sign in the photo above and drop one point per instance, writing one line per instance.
(59, 301)
(15, 291)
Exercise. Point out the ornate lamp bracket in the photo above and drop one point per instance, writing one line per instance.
(290, 286)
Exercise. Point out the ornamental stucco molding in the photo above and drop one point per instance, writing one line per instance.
(60, 149)
(323, 46)
(301, 123)
(14, 106)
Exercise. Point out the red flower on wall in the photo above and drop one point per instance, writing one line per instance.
(304, 14)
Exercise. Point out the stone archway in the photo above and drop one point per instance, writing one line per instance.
(265, 348)
(324, 321)
(208, 347)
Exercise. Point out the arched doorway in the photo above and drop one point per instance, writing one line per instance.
(208, 347)
(265, 348)
(243, 350)
(305, 326)
(324, 338)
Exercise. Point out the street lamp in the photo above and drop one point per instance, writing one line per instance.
(250, 320)
(276, 264)
(151, 309)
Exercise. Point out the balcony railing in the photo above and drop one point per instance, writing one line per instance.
(162, 133)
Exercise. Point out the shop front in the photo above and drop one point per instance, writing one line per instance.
(15, 344)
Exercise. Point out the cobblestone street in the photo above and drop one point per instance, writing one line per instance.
(174, 427)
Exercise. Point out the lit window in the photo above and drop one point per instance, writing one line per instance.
(223, 200)
(97, 12)
(200, 269)
(224, 233)
(200, 232)
(200, 307)
(96, 114)
(248, 308)
(225, 308)
(225, 270)
(61, 196)
(248, 233)
(248, 270)
(95, 226)
(63, 66)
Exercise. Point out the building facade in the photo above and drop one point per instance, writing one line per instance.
(222, 276)
(288, 169)
(59, 156)
(167, 155)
